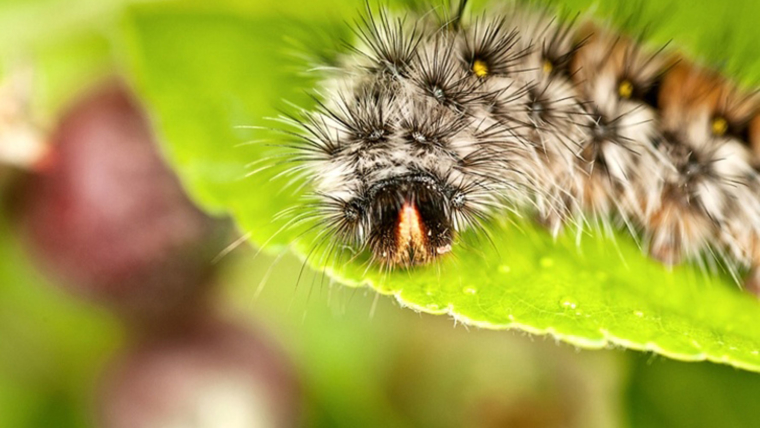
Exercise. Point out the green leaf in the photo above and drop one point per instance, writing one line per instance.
(202, 73)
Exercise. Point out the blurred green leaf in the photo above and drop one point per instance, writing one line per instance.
(202, 74)
(65, 70)
(677, 395)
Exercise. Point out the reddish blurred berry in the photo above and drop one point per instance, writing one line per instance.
(110, 220)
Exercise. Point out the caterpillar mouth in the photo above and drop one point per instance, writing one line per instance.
(410, 221)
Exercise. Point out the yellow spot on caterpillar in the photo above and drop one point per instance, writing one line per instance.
(625, 89)
(719, 126)
(548, 67)
(480, 68)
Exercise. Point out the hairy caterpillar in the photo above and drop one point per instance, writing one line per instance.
(436, 121)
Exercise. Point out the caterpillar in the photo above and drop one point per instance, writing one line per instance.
(436, 121)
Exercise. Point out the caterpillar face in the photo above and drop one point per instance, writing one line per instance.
(400, 173)
(408, 218)
(403, 180)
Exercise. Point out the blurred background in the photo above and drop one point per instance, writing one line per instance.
(121, 306)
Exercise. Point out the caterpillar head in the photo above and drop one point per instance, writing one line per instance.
(407, 219)
(399, 175)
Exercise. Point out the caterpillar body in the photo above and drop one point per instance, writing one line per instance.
(434, 122)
